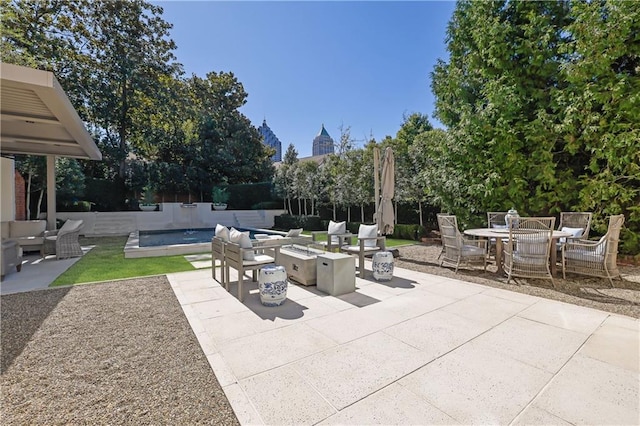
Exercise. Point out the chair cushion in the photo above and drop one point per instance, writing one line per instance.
(222, 232)
(259, 259)
(356, 249)
(536, 245)
(294, 232)
(27, 228)
(472, 251)
(368, 231)
(498, 226)
(244, 241)
(336, 228)
(576, 232)
(584, 255)
(602, 245)
(518, 258)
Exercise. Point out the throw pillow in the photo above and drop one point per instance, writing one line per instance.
(244, 241)
(576, 232)
(336, 228)
(222, 232)
(368, 231)
(294, 232)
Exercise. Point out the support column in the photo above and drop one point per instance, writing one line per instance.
(51, 192)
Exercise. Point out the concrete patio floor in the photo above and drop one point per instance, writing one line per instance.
(421, 349)
(37, 272)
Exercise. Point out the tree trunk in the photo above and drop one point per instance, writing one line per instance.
(420, 211)
(29, 197)
(290, 209)
(123, 128)
(349, 213)
(334, 211)
(306, 212)
(362, 212)
(39, 204)
(395, 214)
(299, 207)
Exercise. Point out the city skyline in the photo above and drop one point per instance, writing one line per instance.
(360, 66)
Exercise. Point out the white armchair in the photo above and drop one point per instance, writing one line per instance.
(369, 242)
(336, 236)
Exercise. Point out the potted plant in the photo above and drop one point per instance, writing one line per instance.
(147, 203)
(220, 197)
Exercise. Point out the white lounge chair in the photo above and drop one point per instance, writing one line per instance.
(369, 242)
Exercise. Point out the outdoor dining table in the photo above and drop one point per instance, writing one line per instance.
(499, 234)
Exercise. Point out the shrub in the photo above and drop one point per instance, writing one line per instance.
(308, 223)
(73, 206)
(267, 205)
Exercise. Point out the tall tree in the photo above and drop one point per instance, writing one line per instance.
(602, 104)
(495, 95)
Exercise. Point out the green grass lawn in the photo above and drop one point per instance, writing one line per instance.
(106, 262)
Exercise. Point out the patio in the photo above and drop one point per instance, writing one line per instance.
(421, 349)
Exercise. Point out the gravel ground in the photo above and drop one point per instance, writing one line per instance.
(580, 290)
(111, 353)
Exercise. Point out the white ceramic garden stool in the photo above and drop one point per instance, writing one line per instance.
(383, 266)
(272, 284)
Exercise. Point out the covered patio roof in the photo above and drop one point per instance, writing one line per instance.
(38, 118)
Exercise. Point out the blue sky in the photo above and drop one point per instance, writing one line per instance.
(361, 65)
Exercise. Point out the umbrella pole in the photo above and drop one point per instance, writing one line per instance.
(376, 183)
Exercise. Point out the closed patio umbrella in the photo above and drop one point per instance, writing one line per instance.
(385, 216)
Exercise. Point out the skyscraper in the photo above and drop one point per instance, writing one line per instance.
(271, 140)
(322, 143)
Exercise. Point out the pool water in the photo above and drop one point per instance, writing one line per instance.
(180, 236)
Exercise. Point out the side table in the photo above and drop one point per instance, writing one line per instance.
(272, 284)
(336, 273)
(383, 266)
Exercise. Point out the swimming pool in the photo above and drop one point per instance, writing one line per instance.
(169, 242)
(181, 236)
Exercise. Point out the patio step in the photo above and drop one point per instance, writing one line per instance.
(250, 219)
(113, 224)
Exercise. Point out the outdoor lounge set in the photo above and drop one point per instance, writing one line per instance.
(300, 256)
(529, 247)
(21, 236)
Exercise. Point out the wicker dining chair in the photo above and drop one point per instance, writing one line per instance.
(495, 220)
(456, 248)
(595, 258)
(527, 251)
(576, 221)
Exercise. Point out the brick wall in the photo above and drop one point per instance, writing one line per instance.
(21, 197)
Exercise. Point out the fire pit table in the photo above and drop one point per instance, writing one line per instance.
(300, 262)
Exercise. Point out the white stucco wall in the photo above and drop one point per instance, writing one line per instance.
(7, 190)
